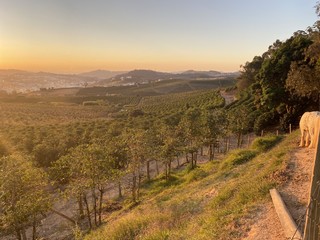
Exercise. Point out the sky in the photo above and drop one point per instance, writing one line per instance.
(71, 36)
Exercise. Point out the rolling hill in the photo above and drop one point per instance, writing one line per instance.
(24, 81)
(147, 76)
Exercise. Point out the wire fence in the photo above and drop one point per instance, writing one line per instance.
(312, 213)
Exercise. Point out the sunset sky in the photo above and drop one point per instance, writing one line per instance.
(73, 36)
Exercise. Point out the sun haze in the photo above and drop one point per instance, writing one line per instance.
(168, 35)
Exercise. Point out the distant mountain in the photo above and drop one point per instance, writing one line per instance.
(211, 72)
(23, 81)
(101, 74)
(144, 76)
(140, 76)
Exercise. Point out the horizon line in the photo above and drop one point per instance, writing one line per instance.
(101, 69)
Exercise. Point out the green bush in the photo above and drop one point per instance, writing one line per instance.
(196, 174)
(263, 121)
(238, 157)
(263, 144)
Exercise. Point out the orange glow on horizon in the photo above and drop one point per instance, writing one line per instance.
(65, 65)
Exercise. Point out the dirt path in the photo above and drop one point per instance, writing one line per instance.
(295, 193)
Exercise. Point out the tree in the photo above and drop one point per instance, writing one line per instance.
(248, 73)
(169, 146)
(214, 127)
(116, 150)
(138, 153)
(274, 70)
(303, 78)
(192, 125)
(239, 122)
(87, 169)
(23, 197)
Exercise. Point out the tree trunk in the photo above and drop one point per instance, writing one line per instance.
(157, 167)
(192, 161)
(80, 203)
(24, 234)
(148, 170)
(211, 152)
(101, 190)
(178, 162)
(166, 171)
(239, 139)
(139, 185)
(34, 228)
(120, 189)
(226, 145)
(187, 158)
(88, 210)
(133, 189)
(94, 204)
(18, 234)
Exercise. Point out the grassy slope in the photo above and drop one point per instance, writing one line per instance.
(215, 201)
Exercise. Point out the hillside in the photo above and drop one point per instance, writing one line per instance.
(222, 199)
(147, 76)
(23, 81)
(101, 74)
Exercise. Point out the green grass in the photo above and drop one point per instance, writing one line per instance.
(265, 143)
(213, 201)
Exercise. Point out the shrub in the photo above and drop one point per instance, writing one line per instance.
(264, 120)
(238, 157)
(263, 144)
(196, 174)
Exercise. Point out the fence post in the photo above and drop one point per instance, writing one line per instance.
(290, 128)
(311, 230)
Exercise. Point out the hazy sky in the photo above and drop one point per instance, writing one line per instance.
(165, 35)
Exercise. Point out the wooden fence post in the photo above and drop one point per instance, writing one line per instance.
(290, 128)
(311, 231)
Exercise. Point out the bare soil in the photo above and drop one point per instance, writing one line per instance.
(294, 192)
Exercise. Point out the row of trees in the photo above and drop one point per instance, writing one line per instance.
(87, 169)
(86, 159)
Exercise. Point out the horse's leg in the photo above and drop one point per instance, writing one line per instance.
(302, 137)
(307, 138)
(312, 139)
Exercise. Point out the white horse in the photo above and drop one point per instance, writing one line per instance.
(309, 127)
